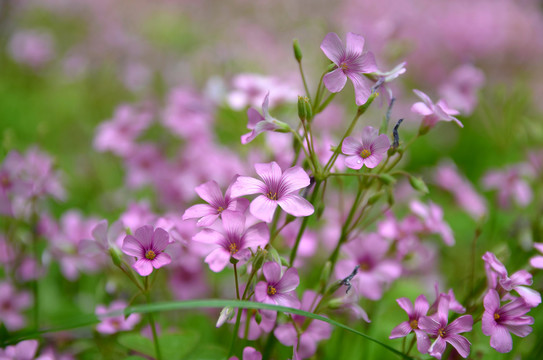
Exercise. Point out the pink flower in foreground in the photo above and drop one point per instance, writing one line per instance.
(351, 63)
(235, 242)
(113, 324)
(278, 188)
(433, 112)
(249, 353)
(369, 152)
(260, 123)
(25, 350)
(498, 321)
(499, 279)
(147, 246)
(437, 325)
(412, 324)
(217, 203)
(278, 289)
(537, 261)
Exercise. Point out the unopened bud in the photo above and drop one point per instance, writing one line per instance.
(386, 179)
(226, 314)
(258, 317)
(418, 184)
(308, 108)
(375, 197)
(297, 50)
(301, 108)
(116, 256)
(335, 304)
(390, 197)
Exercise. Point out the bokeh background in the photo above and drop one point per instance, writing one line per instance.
(67, 66)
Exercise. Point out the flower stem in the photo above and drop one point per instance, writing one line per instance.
(235, 335)
(236, 277)
(303, 80)
(152, 320)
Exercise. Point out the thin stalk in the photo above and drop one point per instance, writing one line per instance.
(152, 321)
(303, 80)
(235, 335)
(303, 225)
(236, 277)
(326, 103)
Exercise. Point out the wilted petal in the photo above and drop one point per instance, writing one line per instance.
(335, 80)
(295, 205)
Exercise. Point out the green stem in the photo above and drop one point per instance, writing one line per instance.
(236, 277)
(152, 320)
(294, 251)
(235, 335)
(303, 79)
(325, 103)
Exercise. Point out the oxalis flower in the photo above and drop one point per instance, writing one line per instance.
(278, 289)
(147, 246)
(278, 188)
(433, 113)
(437, 325)
(351, 63)
(260, 123)
(234, 242)
(412, 324)
(498, 321)
(369, 152)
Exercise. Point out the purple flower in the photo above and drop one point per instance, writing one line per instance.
(369, 152)
(433, 223)
(11, 304)
(433, 112)
(351, 63)
(437, 325)
(148, 248)
(313, 333)
(249, 353)
(278, 289)
(460, 90)
(217, 203)
(278, 188)
(498, 321)
(537, 261)
(25, 350)
(113, 324)
(412, 324)
(260, 123)
(510, 186)
(235, 242)
(499, 279)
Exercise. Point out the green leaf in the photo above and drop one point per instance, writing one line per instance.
(138, 343)
(134, 357)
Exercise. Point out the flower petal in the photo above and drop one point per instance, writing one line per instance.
(351, 146)
(211, 193)
(437, 348)
(421, 306)
(257, 235)
(145, 235)
(460, 343)
(289, 281)
(198, 211)
(254, 118)
(161, 239)
(293, 179)
(366, 63)
(286, 334)
(332, 47)
(362, 90)
(421, 109)
(407, 306)
(263, 208)
(423, 341)
(131, 246)
(403, 329)
(217, 259)
(272, 272)
(380, 145)
(355, 45)
(161, 260)
(354, 162)
(501, 340)
(143, 267)
(246, 185)
(335, 80)
(233, 223)
(460, 325)
(373, 160)
(295, 205)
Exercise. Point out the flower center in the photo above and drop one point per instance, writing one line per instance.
(441, 332)
(150, 254)
(272, 195)
(271, 290)
(233, 248)
(496, 316)
(116, 323)
(220, 209)
(5, 182)
(365, 153)
(344, 66)
(414, 324)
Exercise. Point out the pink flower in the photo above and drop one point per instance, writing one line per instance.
(248, 90)
(313, 333)
(11, 305)
(278, 289)
(433, 112)
(147, 246)
(412, 324)
(369, 152)
(351, 63)
(499, 279)
(113, 324)
(460, 90)
(510, 186)
(217, 203)
(433, 223)
(278, 188)
(537, 261)
(437, 325)
(498, 321)
(260, 123)
(249, 353)
(235, 242)
(34, 48)
(25, 350)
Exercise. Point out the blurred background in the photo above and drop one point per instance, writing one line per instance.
(69, 66)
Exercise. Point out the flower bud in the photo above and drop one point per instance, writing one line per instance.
(297, 50)
(386, 179)
(301, 108)
(226, 314)
(258, 317)
(308, 108)
(418, 184)
(116, 256)
(375, 197)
